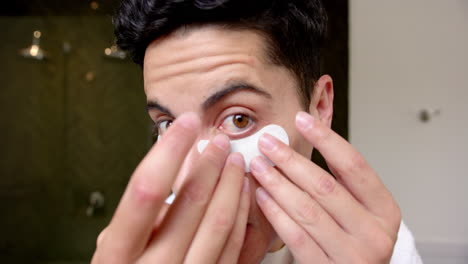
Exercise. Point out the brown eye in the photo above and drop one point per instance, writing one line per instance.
(237, 123)
(240, 121)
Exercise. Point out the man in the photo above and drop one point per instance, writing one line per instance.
(222, 70)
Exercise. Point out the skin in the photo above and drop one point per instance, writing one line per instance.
(352, 219)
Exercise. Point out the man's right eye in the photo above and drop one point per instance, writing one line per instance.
(163, 126)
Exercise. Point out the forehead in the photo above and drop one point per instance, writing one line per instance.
(201, 48)
(195, 62)
(205, 40)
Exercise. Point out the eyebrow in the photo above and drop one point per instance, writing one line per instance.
(214, 98)
(230, 89)
(153, 104)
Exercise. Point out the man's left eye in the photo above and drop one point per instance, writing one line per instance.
(237, 123)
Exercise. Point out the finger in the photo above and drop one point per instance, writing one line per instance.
(100, 237)
(161, 215)
(351, 167)
(235, 241)
(302, 246)
(302, 209)
(320, 185)
(159, 219)
(179, 227)
(132, 223)
(220, 216)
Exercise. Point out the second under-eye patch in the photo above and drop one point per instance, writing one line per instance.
(247, 146)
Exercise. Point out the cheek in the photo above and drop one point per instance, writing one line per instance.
(301, 145)
(296, 140)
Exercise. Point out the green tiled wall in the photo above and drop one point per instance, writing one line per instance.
(63, 136)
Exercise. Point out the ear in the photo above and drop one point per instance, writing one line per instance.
(321, 101)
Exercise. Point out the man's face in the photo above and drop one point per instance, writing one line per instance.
(224, 76)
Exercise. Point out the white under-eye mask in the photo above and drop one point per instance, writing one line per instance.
(247, 146)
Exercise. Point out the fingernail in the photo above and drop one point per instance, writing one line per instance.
(237, 159)
(258, 165)
(222, 141)
(304, 120)
(268, 142)
(262, 195)
(189, 120)
(245, 187)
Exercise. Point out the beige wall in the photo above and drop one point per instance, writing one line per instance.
(406, 56)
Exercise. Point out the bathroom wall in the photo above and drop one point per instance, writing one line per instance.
(408, 57)
(70, 125)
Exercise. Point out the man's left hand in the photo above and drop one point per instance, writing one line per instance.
(349, 218)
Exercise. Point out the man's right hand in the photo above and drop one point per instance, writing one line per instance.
(207, 221)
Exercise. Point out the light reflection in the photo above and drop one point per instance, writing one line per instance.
(115, 53)
(94, 5)
(34, 50)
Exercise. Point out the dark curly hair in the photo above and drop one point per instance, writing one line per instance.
(294, 30)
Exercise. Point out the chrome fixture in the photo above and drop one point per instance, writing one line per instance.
(426, 115)
(34, 51)
(95, 202)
